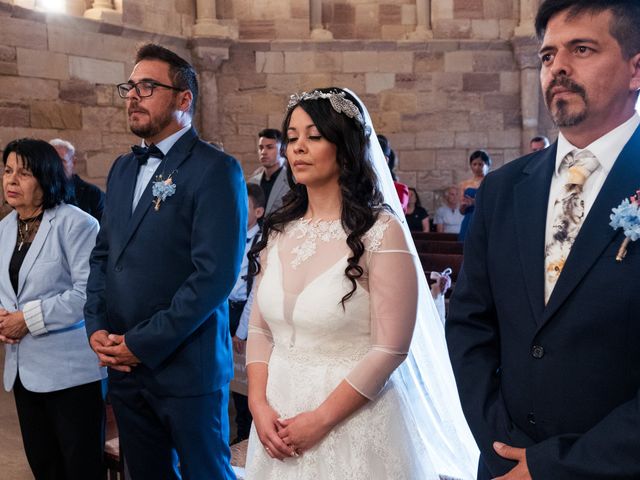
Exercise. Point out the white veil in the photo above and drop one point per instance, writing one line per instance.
(431, 395)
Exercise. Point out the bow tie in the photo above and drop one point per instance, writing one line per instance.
(142, 154)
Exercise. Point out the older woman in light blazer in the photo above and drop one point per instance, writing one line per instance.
(44, 264)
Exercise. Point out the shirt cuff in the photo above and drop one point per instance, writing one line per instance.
(34, 318)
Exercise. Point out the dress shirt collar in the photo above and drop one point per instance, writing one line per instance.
(252, 232)
(166, 144)
(606, 148)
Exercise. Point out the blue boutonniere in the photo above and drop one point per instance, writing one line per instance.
(161, 190)
(627, 216)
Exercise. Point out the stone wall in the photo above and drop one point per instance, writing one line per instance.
(436, 99)
(57, 77)
(437, 102)
(369, 19)
(167, 17)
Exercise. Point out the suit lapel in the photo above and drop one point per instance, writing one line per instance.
(596, 233)
(531, 199)
(173, 159)
(36, 246)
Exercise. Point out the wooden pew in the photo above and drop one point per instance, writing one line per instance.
(437, 262)
(435, 236)
(439, 246)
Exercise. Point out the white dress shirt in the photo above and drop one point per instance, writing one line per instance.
(239, 292)
(146, 171)
(606, 149)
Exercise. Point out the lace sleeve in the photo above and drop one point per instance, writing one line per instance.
(259, 338)
(393, 288)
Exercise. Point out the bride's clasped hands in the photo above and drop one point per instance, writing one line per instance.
(265, 420)
(288, 437)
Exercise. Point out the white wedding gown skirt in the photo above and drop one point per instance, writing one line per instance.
(374, 443)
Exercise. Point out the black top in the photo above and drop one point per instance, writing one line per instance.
(267, 185)
(16, 262)
(414, 220)
(88, 197)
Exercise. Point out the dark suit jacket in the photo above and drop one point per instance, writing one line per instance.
(561, 380)
(162, 277)
(88, 197)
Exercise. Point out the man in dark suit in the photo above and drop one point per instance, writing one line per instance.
(87, 195)
(544, 324)
(163, 266)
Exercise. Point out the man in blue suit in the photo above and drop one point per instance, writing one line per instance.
(544, 325)
(166, 258)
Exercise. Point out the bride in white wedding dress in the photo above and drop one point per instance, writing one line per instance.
(337, 387)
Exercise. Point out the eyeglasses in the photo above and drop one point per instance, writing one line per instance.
(143, 88)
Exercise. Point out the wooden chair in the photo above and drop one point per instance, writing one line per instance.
(112, 459)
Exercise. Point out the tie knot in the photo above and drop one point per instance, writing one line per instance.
(142, 154)
(580, 164)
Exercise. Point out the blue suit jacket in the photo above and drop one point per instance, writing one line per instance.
(161, 277)
(563, 379)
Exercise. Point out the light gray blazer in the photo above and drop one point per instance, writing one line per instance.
(279, 190)
(55, 354)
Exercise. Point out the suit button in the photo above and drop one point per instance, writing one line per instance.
(118, 268)
(537, 351)
(531, 418)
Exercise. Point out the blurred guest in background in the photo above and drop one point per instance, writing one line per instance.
(416, 215)
(448, 217)
(87, 195)
(480, 163)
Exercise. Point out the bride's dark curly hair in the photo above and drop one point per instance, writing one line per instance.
(362, 201)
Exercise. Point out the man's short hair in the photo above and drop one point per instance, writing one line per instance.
(68, 146)
(624, 27)
(182, 74)
(255, 192)
(540, 138)
(272, 133)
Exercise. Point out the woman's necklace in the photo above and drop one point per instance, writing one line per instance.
(23, 228)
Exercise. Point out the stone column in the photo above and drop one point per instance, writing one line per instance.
(528, 10)
(318, 32)
(207, 23)
(526, 52)
(207, 55)
(103, 10)
(76, 7)
(423, 29)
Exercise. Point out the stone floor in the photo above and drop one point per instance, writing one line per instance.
(13, 463)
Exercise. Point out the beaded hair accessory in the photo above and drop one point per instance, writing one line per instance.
(338, 101)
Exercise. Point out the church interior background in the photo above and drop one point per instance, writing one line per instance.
(442, 78)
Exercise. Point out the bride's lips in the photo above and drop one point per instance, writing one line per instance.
(300, 163)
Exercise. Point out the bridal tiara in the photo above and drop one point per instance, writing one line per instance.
(339, 102)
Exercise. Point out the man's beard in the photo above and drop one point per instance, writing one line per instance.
(155, 125)
(562, 116)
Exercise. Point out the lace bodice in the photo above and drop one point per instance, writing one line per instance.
(298, 309)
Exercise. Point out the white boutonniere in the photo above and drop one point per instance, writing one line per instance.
(162, 189)
(627, 216)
